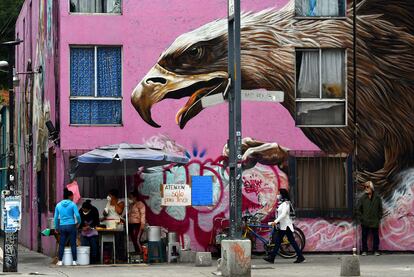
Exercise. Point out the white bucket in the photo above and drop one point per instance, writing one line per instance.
(83, 255)
(154, 233)
(67, 256)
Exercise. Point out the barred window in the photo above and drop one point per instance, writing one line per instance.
(95, 86)
(322, 184)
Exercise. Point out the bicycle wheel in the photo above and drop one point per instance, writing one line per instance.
(286, 249)
(302, 235)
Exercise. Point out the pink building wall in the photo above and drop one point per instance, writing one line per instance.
(144, 30)
(35, 103)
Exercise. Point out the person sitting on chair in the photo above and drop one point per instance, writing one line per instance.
(89, 235)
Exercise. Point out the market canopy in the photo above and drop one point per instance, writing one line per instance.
(122, 159)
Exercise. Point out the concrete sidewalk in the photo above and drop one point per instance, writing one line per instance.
(32, 263)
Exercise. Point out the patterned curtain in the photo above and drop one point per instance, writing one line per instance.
(109, 84)
(82, 71)
(109, 72)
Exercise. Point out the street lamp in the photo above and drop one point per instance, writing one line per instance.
(10, 236)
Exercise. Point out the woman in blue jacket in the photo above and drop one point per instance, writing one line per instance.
(65, 214)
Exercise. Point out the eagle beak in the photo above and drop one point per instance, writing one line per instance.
(160, 84)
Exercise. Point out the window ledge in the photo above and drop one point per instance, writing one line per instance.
(321, 126)
(94, 14)
(320, 99)
(320, 17)
(96, 125)
(93, 98)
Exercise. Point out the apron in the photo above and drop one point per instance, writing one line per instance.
(113, 218)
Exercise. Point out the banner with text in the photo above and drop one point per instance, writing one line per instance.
(175, 195)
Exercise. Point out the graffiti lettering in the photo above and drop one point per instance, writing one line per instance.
(252, 185)
(10, 251)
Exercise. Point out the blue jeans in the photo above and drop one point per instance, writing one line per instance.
(67, 232)
(92, 242)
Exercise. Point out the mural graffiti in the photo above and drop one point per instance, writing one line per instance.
(195, 65)
(261, 184)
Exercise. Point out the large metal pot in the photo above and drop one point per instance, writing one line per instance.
(172, 237)
(154, 233)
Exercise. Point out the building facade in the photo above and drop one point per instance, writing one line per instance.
(136, 71)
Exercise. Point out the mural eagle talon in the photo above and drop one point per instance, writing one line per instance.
(195, 65)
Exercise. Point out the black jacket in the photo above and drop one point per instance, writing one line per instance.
(92, 216)
(370, 210)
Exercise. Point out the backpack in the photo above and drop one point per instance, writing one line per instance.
(292, 213)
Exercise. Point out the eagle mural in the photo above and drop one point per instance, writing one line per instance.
(195, 65)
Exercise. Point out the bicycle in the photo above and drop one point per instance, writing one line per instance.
(253, 227)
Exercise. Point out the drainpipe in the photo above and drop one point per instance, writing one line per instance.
(355, 115)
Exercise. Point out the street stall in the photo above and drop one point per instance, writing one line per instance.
(121, 160)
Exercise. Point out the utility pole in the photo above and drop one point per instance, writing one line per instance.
(235, 138)
(11, 238)
(236, 252)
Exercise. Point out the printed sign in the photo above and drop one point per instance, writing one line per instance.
(12, 214)
(175, 195)
(262, 95)
(202, 190)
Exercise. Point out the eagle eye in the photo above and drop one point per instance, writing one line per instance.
(196, 52)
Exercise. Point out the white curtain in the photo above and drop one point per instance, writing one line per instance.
(327, 8)
(113, 6)
(333, 73)
(302, 7)
(320, 113)
(97, 6)
(87, 6)
(317, 7)
(308, 83)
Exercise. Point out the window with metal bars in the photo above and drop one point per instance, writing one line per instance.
(95, 86)
(321, 185)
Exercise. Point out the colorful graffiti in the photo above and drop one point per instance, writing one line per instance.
(195, 65)
(260, 186)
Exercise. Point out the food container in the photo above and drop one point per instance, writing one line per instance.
(154, 233)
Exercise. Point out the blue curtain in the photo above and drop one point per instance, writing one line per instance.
(312, 7)
(97, 112)
(82, 72)
(106, 112)
(109, 84)
(109, 72)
